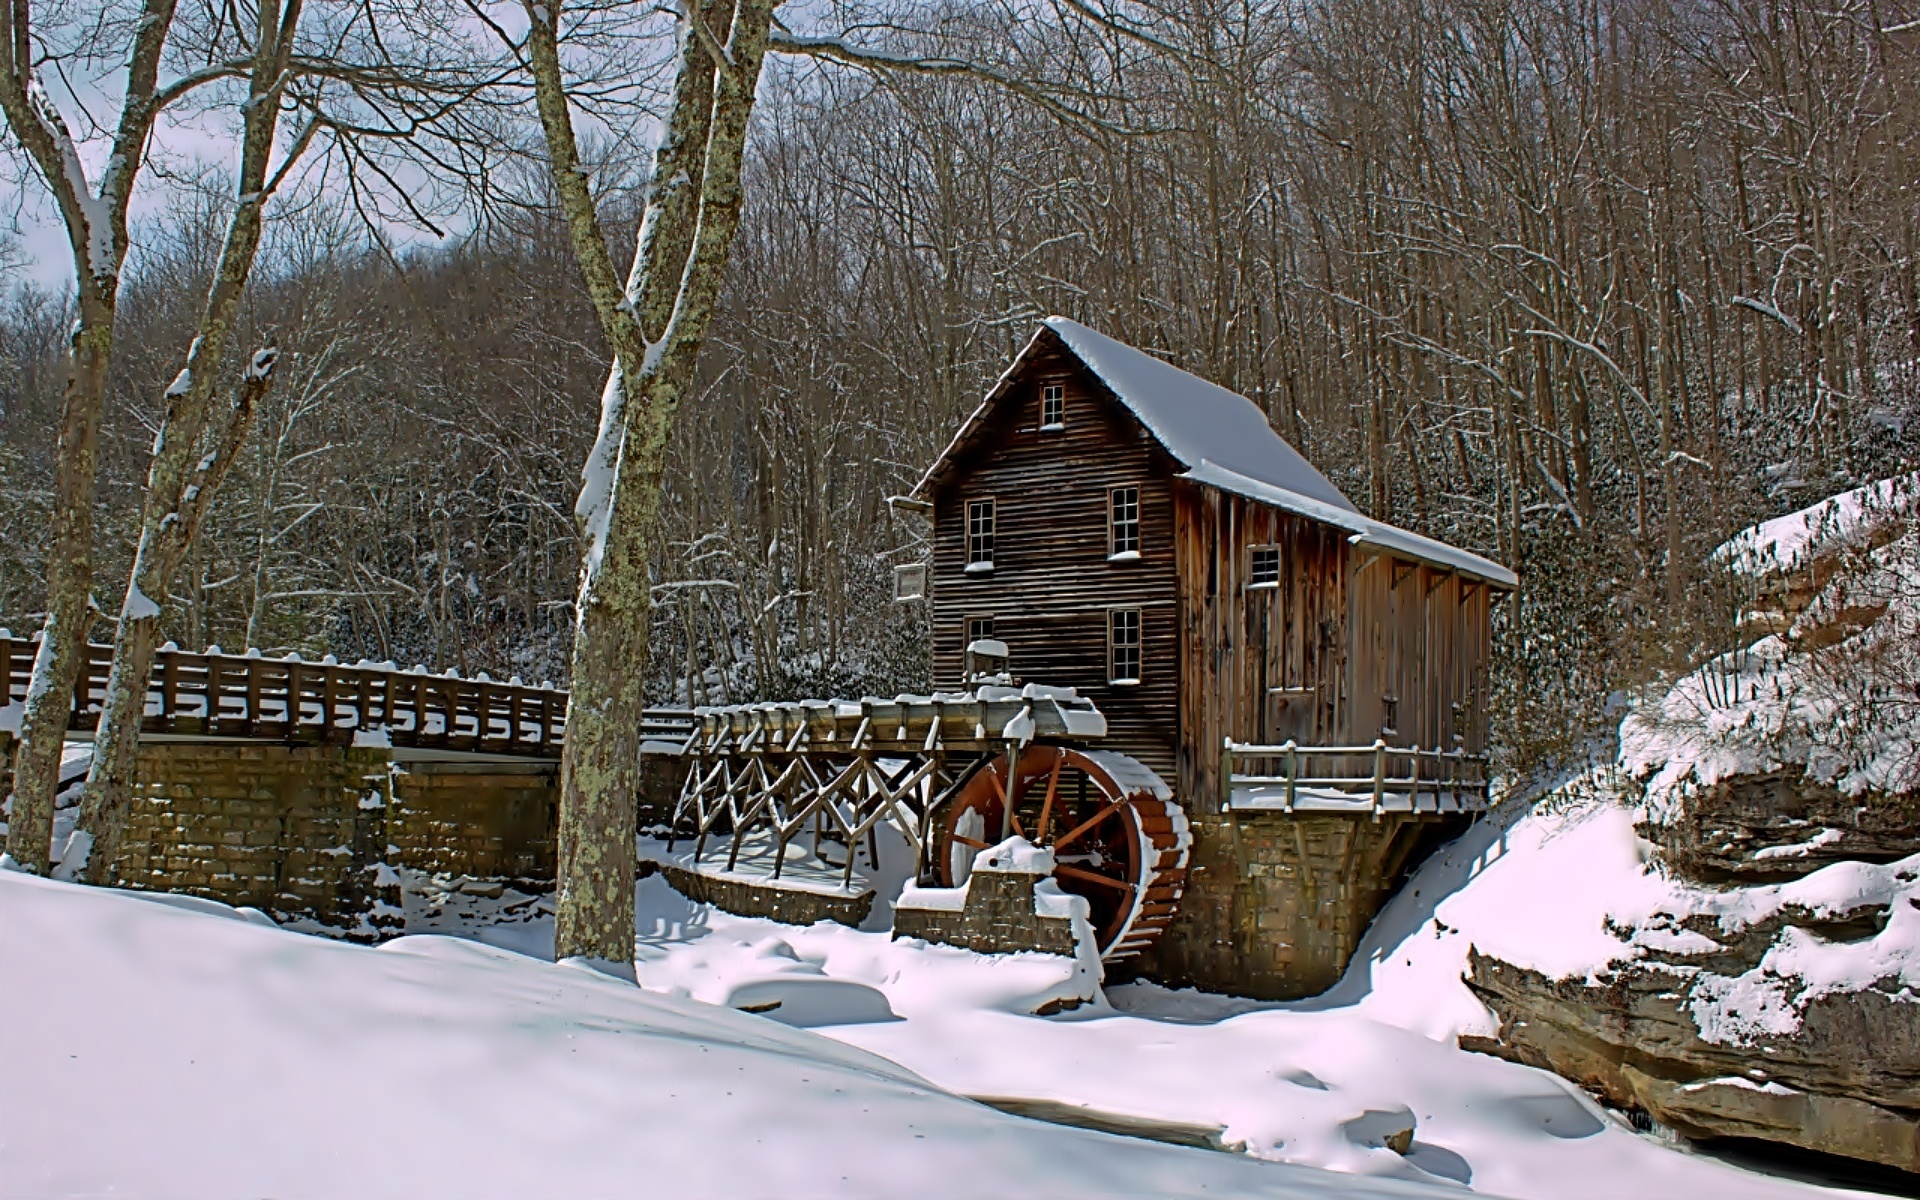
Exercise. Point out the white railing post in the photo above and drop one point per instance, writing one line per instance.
(1379, 776)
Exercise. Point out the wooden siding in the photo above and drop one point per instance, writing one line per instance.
(1257, 663)
(1052, 585)
(1315, 658)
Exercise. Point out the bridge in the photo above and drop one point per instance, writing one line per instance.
(211, 695)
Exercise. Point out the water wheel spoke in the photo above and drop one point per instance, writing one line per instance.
(1080, 829)
(1110, 858)
(1046, 806)
(1093, 877)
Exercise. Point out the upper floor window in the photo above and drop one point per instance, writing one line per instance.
(1264, 568)
(1123, 523)
(1123, 645)
(1053, 406)
(979, 535)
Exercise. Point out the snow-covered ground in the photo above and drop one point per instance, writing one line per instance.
(154, 1049)
(149, 1049)
(1319, 1083)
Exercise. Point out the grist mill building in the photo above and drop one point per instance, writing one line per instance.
(1312, 682)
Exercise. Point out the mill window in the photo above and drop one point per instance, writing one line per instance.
(1123, 523)
(979, 629)
(910, 581)
(979, 535)
(1053, 406)
(1264, 570)
(1123, 645)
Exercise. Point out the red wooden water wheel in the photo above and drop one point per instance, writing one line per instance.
(1117, 837)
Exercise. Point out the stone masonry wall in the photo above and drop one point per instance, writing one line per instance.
(1276, 903)
(299, 831)
(484, 820)
(1000, 916)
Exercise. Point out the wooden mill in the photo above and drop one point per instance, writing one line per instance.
(1310, 682)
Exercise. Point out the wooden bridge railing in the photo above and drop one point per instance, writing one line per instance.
(1373, 779)
(288, 700)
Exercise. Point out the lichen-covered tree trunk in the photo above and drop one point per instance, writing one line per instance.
(192, 454)
(686, 237)
(164, 542)
(96, 228)
(63, 633)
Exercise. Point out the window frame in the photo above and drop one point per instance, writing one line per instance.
(972, 633)
(975, 564)
(909, 582)
(1115, 647)
(1053, 392)
(1115, 553)
(1254, 582)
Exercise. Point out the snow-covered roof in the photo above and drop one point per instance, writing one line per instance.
(1196, 420)
(1365, 531)
(1224, 441)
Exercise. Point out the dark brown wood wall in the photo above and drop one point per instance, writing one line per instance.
(1052, 586)
(1421, 635)
(1257, 663)
(1314, 658)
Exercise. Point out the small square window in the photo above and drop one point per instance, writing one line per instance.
(910, 581)
(1123, 645)
(1053, 406)
(979, 535)
(1123, 522)
(1264, 569)
(979, 629)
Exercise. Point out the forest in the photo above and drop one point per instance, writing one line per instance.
(1582, 285)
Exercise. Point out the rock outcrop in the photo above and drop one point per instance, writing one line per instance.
(1779, 825)
(1770, 987)
(1846, 1082)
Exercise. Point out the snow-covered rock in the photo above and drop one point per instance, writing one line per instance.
(1757, 974)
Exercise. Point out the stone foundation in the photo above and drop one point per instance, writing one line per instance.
(1276, 903)
(757, 897)
(317, 833)
(299, 831)
(480, 820)
(999, 915)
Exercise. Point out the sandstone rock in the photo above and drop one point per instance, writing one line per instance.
(1846, 1082)
(1782, 825)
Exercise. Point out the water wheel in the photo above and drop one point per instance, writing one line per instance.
(1118, 838)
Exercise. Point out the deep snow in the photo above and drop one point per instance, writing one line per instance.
(151, 1050)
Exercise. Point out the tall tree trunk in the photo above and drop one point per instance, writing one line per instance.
(192, 454)
(96, 227)
(163, 543)
(682, 255)
(63, 634)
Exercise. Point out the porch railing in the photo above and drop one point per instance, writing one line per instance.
(1374, 779)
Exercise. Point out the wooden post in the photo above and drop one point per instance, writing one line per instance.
(169, 687)
(1226, 774)
(329, 697)
(1293, 772)
(1379, 776)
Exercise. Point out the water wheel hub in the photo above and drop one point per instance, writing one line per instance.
(1119, 840)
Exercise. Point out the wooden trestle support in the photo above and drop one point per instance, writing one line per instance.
(939, 769)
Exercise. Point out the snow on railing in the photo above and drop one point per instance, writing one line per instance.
(217, 695)
(1373, 779)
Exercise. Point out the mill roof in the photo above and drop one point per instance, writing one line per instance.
(1222, 440)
